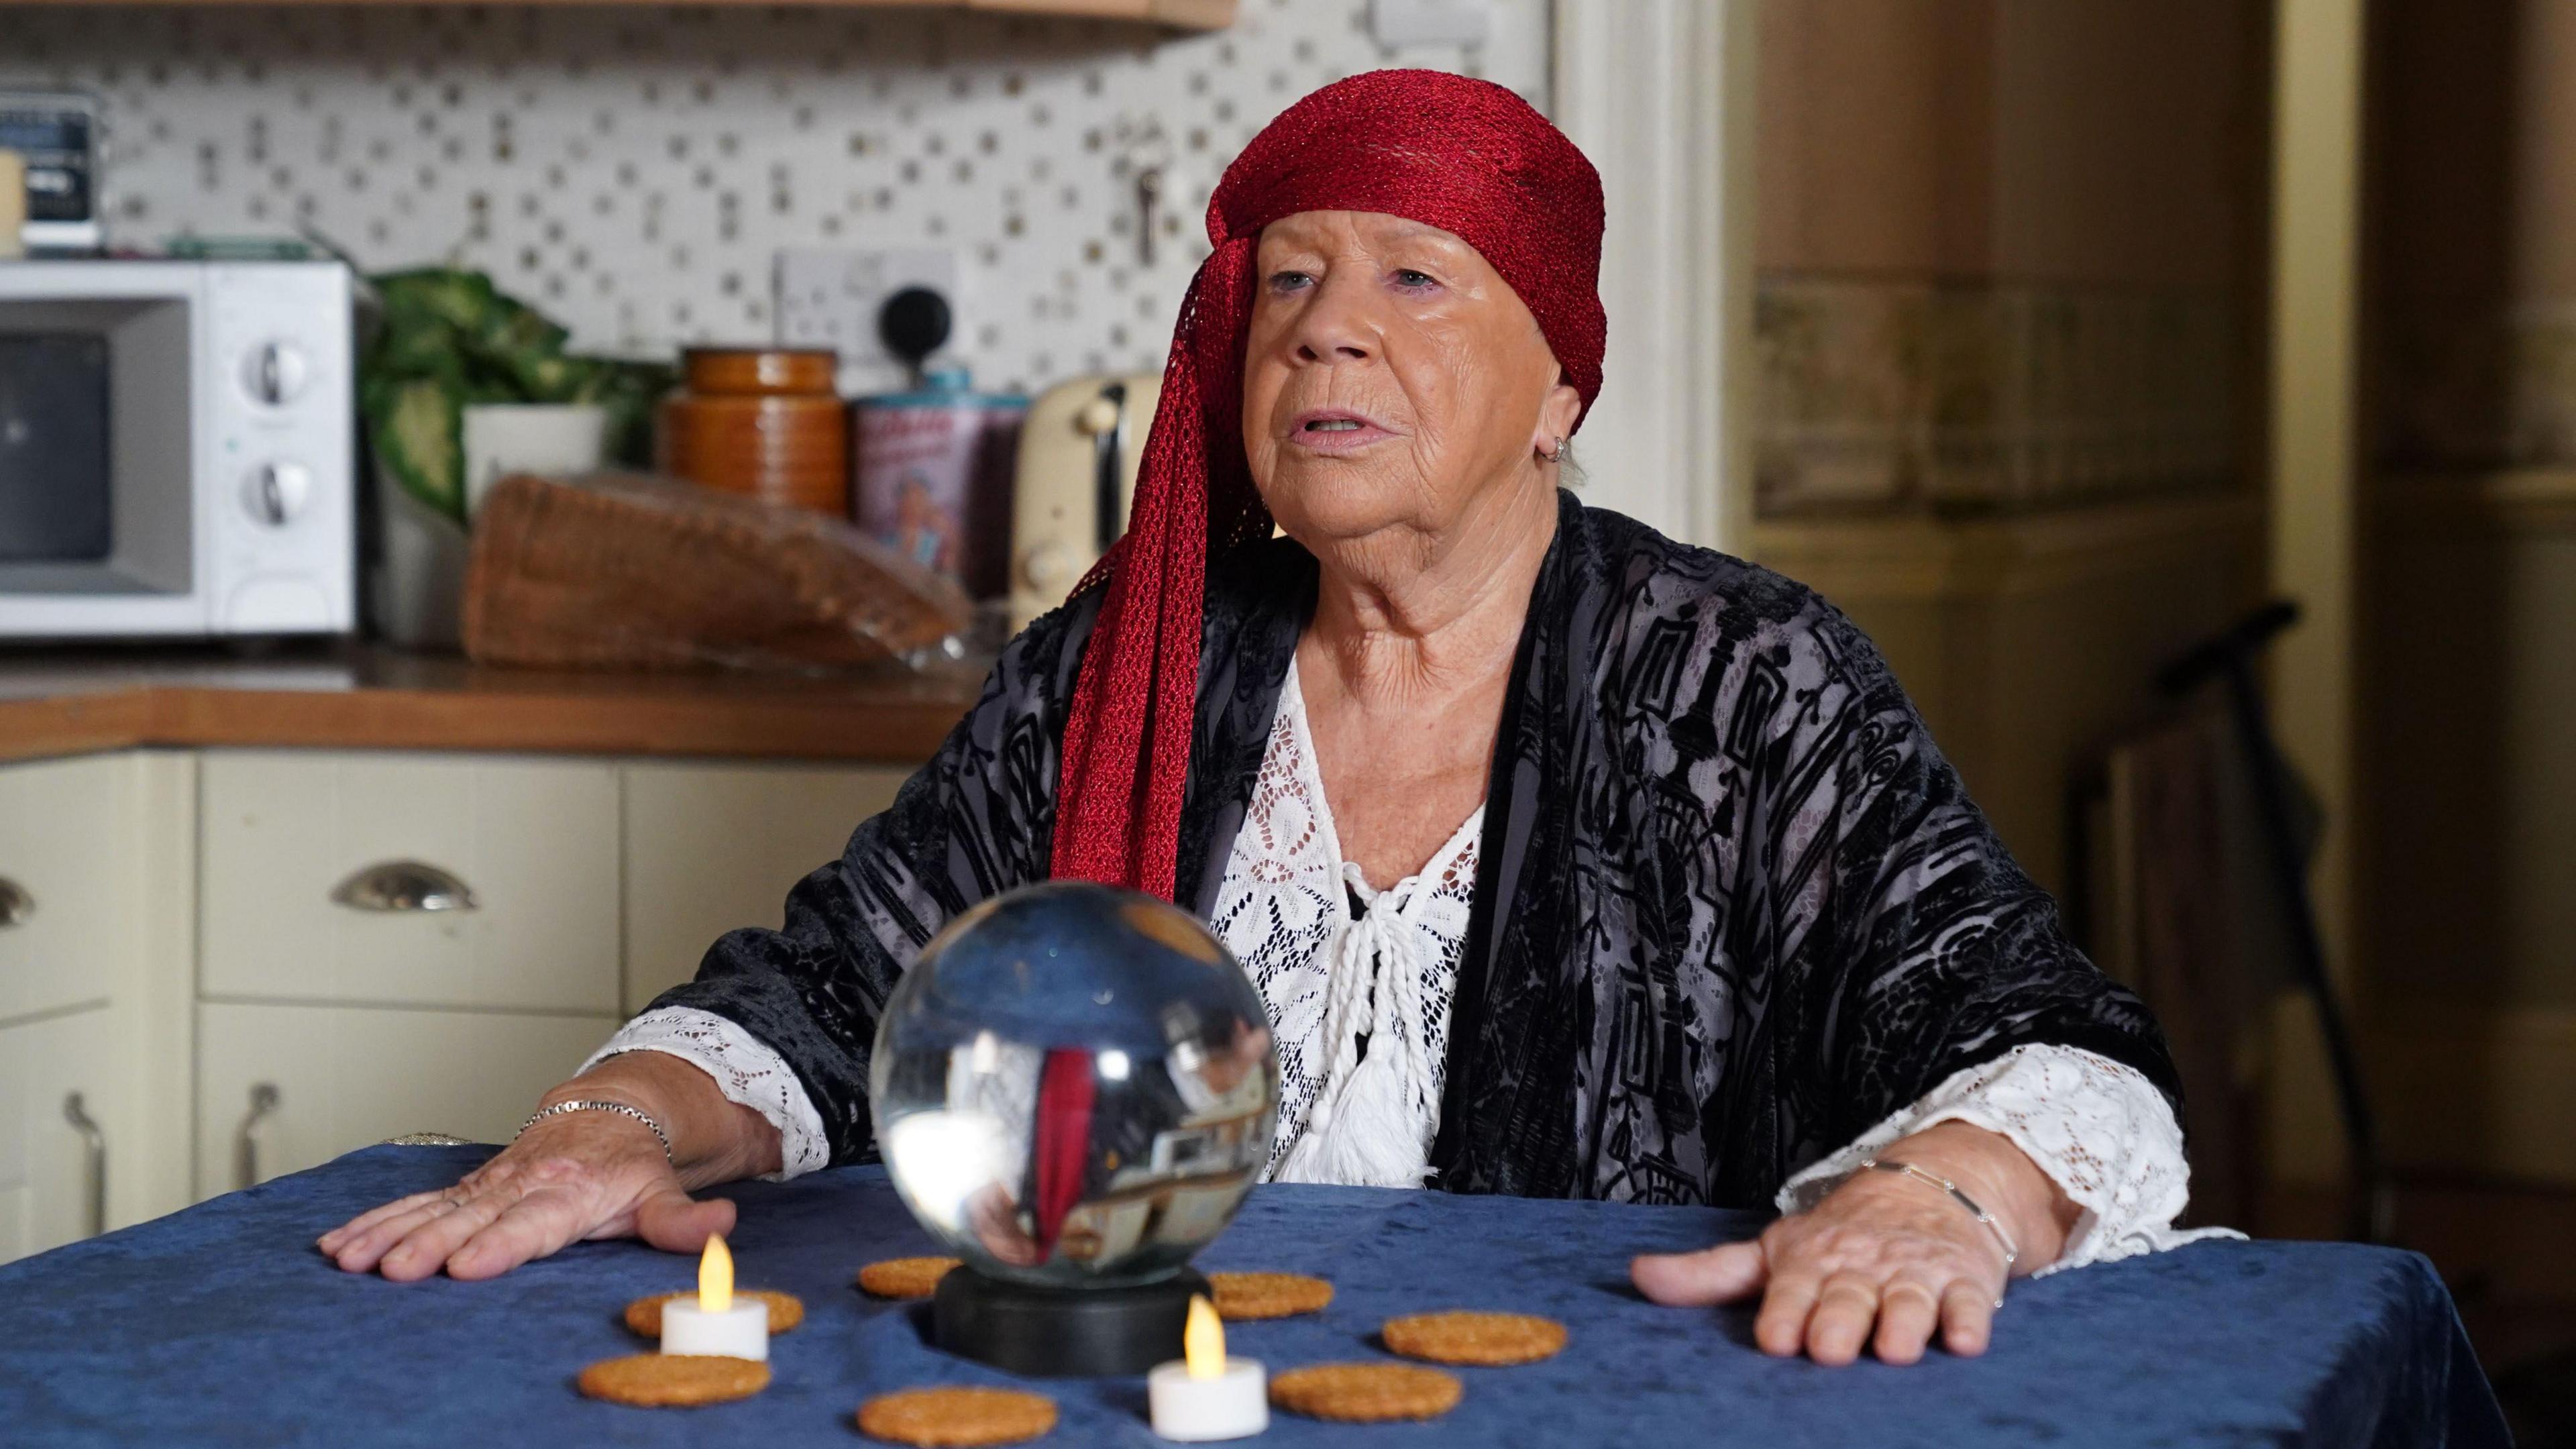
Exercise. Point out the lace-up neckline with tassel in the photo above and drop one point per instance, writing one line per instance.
(1359, 982)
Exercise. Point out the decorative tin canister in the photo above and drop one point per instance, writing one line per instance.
(930, 475)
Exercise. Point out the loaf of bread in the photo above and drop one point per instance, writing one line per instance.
(626, 571)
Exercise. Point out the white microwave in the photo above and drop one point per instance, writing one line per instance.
(176, 457)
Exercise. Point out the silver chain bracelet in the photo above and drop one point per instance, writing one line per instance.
(2003, 1240)
(561, 1109)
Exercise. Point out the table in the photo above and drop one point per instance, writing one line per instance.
(222, 1325)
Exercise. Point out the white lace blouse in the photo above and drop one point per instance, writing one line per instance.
(1360, 1002)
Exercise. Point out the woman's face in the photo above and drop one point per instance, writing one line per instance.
(1391, 380)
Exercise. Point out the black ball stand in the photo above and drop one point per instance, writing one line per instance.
(1060, 1333)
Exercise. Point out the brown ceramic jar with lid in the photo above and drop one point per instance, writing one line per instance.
(766, 421)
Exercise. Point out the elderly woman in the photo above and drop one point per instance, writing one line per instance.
(1568, 859)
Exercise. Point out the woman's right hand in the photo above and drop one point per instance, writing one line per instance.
(576, 1177)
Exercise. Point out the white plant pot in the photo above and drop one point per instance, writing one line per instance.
(418, 592)
(506, 438)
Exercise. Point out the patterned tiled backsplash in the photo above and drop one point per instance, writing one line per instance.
(2465, 385)
(1878, 396)
(634, 171)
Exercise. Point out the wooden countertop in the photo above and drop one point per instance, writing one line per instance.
(65, 703)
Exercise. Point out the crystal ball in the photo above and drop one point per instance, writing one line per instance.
(1074, 1085)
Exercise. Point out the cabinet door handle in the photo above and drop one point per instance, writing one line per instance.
(15, 904)
(95, 1144)
(263, 1100)
(404, 885)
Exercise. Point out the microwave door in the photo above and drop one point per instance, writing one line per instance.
(56, 479)
(98, 464)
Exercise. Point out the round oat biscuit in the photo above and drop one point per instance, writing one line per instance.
(1489, 1339)
(956, 1416)
(1244, 1296)
(1366, 1393)
(786, 1310)
(674, 1380)
(905, 1277)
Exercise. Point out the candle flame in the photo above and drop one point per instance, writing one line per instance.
(1203, 1340)
(715, 1276)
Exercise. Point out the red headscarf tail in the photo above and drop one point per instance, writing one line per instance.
(1114, 798)
(1463, 155)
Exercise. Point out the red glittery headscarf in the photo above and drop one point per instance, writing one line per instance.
(1466, 156)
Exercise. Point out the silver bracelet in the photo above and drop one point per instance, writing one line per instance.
(2003, 1240)
(560, 1109)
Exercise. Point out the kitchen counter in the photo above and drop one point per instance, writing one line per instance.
(355, 697)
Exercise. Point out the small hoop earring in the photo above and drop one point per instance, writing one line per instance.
(1557, 454)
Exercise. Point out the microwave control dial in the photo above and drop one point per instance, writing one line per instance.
(276, 373)
(279, 491)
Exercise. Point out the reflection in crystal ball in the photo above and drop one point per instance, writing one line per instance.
(1074, 1084)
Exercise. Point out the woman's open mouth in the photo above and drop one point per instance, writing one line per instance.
(1336, 430)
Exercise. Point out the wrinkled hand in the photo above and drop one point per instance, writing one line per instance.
(1882, 1255)
(572, 1178)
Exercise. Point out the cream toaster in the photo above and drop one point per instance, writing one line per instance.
(1077, 470)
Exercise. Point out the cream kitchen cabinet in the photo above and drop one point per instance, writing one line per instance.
(67, 889)
(394, 942)
(94, 900)
(712, 847)
(379, 878)
(329, 1019)
(61, 1082)
(284, 1088)
(245, 962)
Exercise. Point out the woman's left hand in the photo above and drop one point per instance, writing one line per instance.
(1884, 1255)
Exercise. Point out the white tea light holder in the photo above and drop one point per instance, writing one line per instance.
(716, 1323)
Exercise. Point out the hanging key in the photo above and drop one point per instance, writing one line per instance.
(1149, 202)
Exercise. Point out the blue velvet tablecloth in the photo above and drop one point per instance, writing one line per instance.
(222, 1325)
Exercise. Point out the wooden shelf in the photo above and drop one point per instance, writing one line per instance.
(1178, 14)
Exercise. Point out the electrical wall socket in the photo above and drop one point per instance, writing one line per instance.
(1432, 22)
(829, 297)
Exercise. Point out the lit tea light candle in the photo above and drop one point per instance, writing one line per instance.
(715, 1324)
(1206, 1395)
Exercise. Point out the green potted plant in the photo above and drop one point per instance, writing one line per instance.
(459, 382)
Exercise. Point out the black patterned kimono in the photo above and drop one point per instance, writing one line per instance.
(1732, 906)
